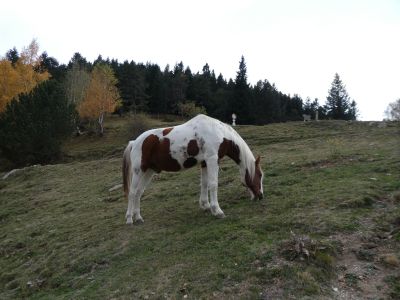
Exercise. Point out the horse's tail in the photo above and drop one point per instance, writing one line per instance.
(126, 169)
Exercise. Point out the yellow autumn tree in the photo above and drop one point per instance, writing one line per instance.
(102, 96)
(20, 77)
(9, 81)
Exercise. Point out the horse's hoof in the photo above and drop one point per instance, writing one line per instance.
(129, 222)
(139, 221)
(220, 216)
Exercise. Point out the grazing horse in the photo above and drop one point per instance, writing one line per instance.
(201, 140)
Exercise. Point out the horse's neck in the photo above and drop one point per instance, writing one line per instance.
(246, 157)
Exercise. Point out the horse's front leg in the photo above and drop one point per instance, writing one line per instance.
(212, 176)
(203, 201)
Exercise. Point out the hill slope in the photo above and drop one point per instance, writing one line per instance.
(329, 226)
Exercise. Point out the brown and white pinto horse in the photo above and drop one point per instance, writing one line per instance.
(201, 140)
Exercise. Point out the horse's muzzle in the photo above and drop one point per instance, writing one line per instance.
(261, 196)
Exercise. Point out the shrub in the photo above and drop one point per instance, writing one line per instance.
(33, 127)
(140, 124)
(190, 110)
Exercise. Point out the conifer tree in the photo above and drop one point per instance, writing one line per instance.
(12, 55)
(338, 103)
(32, 129)
(241, 101)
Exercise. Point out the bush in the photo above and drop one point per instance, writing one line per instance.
(33, 127)
(190, 110)
(140, 124)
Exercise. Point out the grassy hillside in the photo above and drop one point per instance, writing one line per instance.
(330, 226)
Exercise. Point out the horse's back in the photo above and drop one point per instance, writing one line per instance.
(181, 146)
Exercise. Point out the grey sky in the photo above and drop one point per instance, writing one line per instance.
(298, 45)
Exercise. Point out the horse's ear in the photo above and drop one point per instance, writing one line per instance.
(258, 160)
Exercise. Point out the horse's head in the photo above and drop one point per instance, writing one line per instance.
(254, 184)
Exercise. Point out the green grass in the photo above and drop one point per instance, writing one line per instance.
(63, 234)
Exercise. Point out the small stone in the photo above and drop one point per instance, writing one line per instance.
(369, 245)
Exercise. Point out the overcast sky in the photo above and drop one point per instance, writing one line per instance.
(297, 44)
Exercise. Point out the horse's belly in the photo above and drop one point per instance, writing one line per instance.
(188, 161)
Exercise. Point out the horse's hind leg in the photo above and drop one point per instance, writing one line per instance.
(203, 201)
(212, 174)
(131, 197)
(143, 181)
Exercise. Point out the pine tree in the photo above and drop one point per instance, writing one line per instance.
(155, 90)
(32, 129)
(12, 55)
(307, 106)
(178, 86)
(294, 108)
(49, 64)
(241, 101)
(200, 89)
(132, 86)
(81, 61)
(338, 103)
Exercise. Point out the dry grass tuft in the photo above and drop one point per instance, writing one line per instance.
(302, 247)
(390, 260)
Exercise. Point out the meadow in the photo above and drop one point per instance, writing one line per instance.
(329, 226)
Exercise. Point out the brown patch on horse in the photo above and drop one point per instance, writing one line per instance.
(156, 155)
(193, 148)
(167, 130)
(228, 147)
(251, 184)
(190, 162)
(257, 177)
(126, 169)
(254, 184)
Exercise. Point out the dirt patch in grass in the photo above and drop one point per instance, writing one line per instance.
(369, 258)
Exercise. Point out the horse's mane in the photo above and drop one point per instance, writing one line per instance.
(246, 156)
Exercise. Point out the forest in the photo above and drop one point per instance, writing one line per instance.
(145, 87)
(43, 101)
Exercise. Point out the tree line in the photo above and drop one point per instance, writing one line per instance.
(85, 91)
(147, 88)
